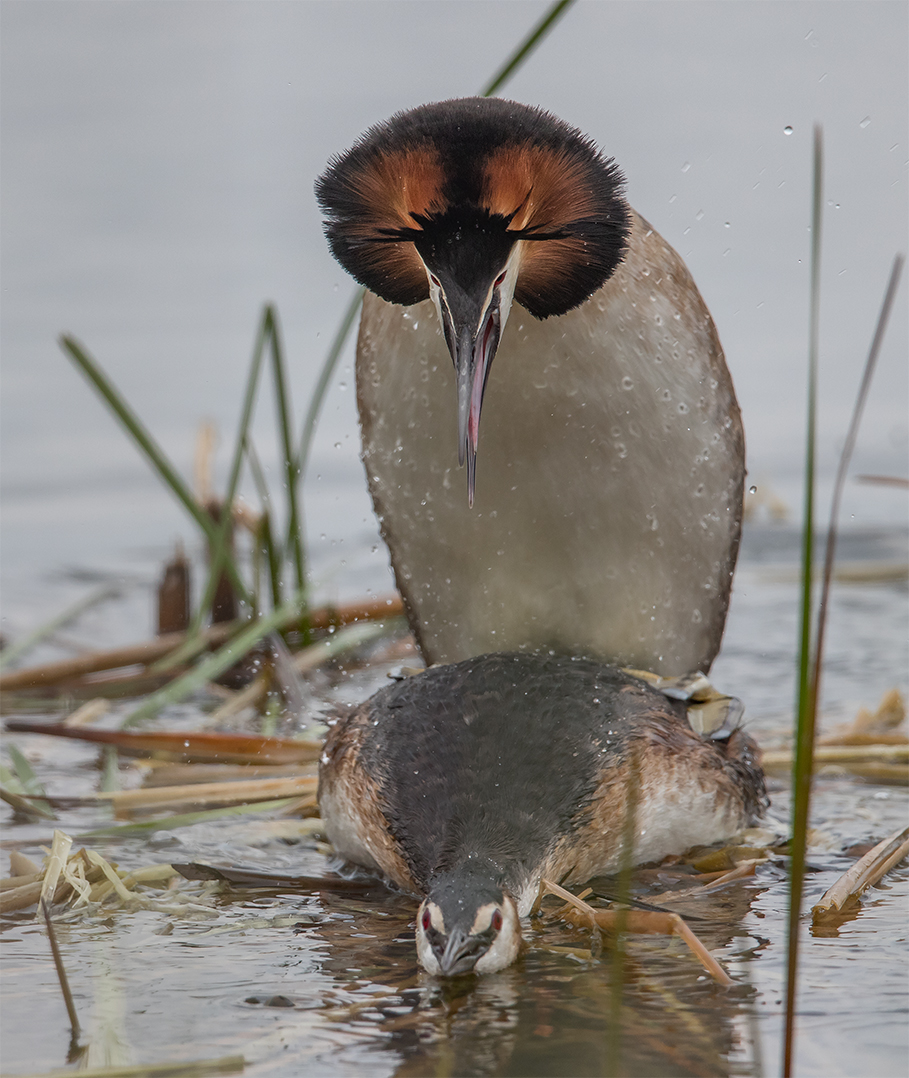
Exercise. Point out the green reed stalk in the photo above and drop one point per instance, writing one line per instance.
(264, 540)
(21, 647)
(291, 469)
(219, 552)
(845, 458)
(325, 375)
(806, 706)
(143, 439)
(527, 46)
(811, 656)
(216, 663)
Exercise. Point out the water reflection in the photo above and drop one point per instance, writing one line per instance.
(552, 1013)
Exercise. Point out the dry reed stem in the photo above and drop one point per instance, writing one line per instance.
(202, 1068)
(61, 972)
(886, 774)
(11, 882)
(84, 877)
(56, 859)
(869, 728)
(861, 738)
(21, 865)
(27, 806)
(864, 873)
(741, 871)
(152, 650)
(125, 802)
(251, 696)
(639, 922)
(200, 746)
(88, 713)
(839, 754)
(165, 773)
(20, 898)
(113, 659)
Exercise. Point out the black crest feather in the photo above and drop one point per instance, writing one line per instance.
(478, 171)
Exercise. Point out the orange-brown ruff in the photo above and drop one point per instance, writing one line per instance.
(468, 783)
(608, 502)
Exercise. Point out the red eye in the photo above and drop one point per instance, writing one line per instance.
(496, 921)
(435, 280)
(426, 920)
(500, 279)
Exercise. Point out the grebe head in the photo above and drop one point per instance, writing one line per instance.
(467, 924)
(475, 202)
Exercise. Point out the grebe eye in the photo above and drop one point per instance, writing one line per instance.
(496, 921)
(435, 280)
(500, 279)
(426, 920)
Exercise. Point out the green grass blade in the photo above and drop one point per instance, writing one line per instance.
(29, 782)
(527, 46)
(23, 780)
(21, 647)
(110, 770)
(264, 540)
(32, 808)
(215, 664)
(845, 458)
(806, 706)
(143, 439)
(291, 472)
(219, 555)
(328, 369)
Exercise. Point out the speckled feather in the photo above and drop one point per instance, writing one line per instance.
(519, 762)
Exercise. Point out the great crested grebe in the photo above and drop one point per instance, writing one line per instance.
(607, 509)
(468, 783)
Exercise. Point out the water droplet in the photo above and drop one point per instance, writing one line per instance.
(752, 490)
(865, 122)
(627, 383)
(686, 166)
(787, 130)
(699, 216)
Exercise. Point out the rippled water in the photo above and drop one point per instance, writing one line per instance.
(328, 983)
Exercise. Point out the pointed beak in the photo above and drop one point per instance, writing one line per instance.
(462, 952)
(472, 340)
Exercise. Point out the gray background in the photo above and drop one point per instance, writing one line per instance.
(157, 170)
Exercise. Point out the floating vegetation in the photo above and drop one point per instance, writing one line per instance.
(78, 881)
